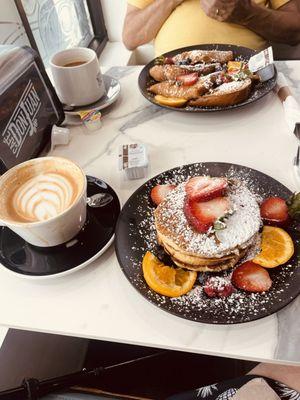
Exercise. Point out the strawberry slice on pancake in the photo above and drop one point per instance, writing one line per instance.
(204, 188)
(203, 215)
(159, 192)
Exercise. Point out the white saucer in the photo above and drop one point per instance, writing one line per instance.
(113, 90)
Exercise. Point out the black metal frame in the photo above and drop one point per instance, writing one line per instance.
(33, 389)
(99, 40)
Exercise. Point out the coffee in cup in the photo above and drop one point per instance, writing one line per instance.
(77, 76)
(44, 200)
(74, 63)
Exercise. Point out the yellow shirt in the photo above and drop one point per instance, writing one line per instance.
(189, 25)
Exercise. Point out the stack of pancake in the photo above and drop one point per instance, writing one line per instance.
(215, 250)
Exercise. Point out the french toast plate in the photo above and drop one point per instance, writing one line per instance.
(136, 234)
(260, 90)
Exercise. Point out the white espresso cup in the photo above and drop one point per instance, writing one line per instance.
(44, 200)
(77, 76)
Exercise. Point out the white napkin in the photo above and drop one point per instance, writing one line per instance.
(288, 332)
(290, 105)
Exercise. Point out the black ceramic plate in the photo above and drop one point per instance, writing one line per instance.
(135, 234)
(37, 262)
(259, 90)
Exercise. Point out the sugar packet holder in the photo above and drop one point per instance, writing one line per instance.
(262, 64)
(133, 161)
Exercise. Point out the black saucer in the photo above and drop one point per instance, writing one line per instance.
(95, 237)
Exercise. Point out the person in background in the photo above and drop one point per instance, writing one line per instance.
(178, 23)
(264, 382)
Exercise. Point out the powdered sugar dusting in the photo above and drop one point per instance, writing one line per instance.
(242, 225)
(204, 55)
(234, 86)
(250, 305)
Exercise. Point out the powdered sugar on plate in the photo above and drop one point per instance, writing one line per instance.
(250, 305)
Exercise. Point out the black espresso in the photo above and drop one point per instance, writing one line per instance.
(74, 63)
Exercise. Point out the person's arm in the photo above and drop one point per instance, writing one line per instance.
(142, 25)
(288, 375)
(281, 26)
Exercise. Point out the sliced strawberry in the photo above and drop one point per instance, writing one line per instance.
(188, 79)
(204, 188)
(251, 277)
(226, 78)
(202, 215)
(168, 60)
(159, 192)
(217, 286)
(274, 211)
(195, 185)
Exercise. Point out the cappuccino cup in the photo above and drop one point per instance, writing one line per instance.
(77, 77)
(43, 200)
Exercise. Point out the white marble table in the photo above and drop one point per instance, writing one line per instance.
(98, 302)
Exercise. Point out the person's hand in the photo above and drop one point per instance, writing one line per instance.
(227, 10)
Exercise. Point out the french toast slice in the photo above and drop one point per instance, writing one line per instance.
(176, 90)
(171, 72)
(172, 89)
(227, 94)
(166, 72)
(206, 56)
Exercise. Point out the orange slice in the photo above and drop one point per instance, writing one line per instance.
(168, 281)
(170, 101)
(234, 66)
(277, 247)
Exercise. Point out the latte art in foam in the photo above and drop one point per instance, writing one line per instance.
(43, 196)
